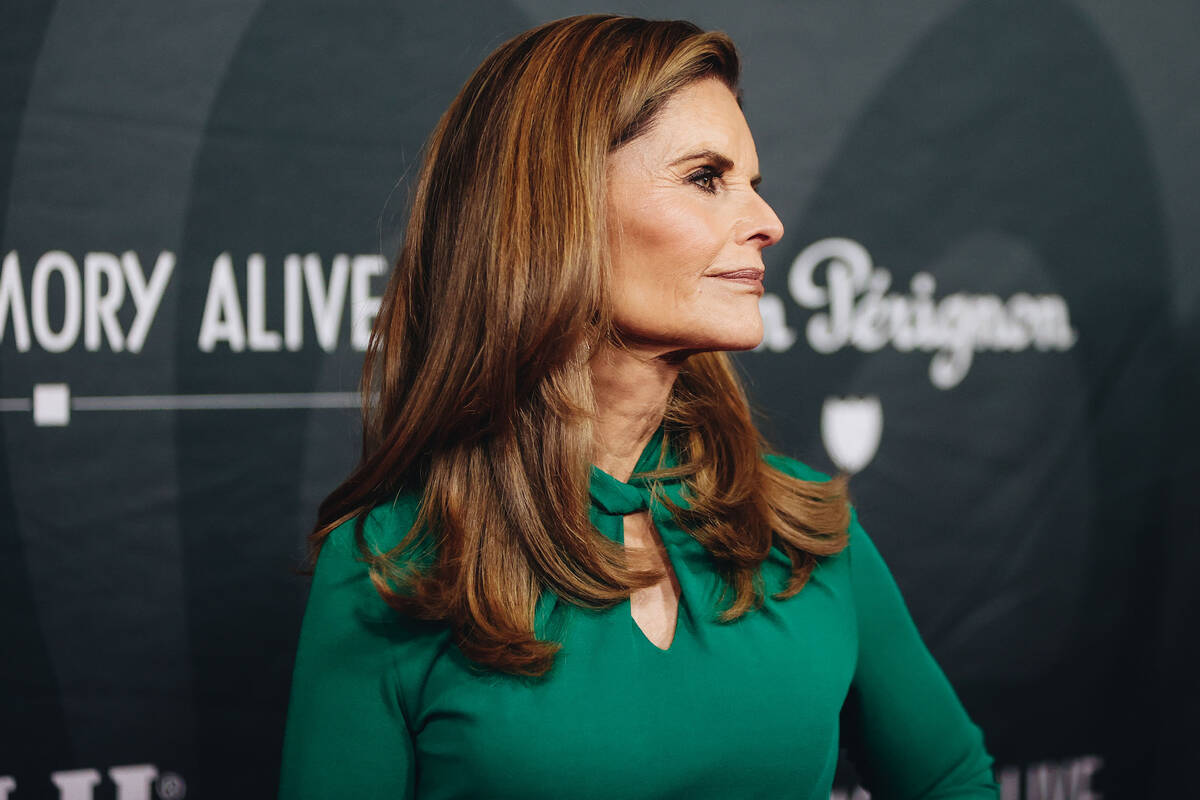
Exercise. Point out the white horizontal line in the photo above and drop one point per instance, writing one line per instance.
(189, 402)
(197, 402)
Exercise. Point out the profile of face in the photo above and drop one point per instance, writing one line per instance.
(686, 228)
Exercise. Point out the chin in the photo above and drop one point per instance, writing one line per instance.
(692, 335)
(746, 339)
(747, 344)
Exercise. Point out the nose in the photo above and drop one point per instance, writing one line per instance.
(761, 224)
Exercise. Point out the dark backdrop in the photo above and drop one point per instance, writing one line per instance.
(985, 306)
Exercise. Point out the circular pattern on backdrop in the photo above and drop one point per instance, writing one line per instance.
(1002, 159)
(323, 109)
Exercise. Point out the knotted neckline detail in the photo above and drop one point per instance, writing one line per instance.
(618, 498)
(612, 500)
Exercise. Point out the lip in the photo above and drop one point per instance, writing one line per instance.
(748, 276)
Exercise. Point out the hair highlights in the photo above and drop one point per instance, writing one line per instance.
(476, 385)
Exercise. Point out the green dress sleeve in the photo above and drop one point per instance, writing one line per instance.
(908, 734)
(347, 734)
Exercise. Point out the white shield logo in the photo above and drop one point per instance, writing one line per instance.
(850, 428)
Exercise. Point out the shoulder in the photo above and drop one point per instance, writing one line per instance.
(384, 527)
(795, 468)
(798, 469)
(344, 585)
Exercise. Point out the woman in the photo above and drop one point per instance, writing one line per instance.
(564, 566)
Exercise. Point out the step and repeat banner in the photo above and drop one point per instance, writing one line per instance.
(985, 308)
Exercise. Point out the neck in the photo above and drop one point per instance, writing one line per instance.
(631, 389)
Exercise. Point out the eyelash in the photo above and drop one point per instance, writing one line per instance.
(705, 173)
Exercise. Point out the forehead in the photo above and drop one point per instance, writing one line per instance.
(701, 116)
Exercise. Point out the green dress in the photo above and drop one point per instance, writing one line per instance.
(386, 707)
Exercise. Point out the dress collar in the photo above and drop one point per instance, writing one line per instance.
(612, 496)
(611, 500)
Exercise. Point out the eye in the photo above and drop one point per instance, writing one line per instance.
(706, 179)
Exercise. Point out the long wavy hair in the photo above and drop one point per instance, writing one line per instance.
(476, 384)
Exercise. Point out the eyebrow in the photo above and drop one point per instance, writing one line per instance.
(722, 162)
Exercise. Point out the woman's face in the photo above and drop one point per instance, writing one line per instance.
(686, 227)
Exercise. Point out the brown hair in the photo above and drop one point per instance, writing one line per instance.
(476, 385)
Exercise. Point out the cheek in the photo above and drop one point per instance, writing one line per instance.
(665, 243)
